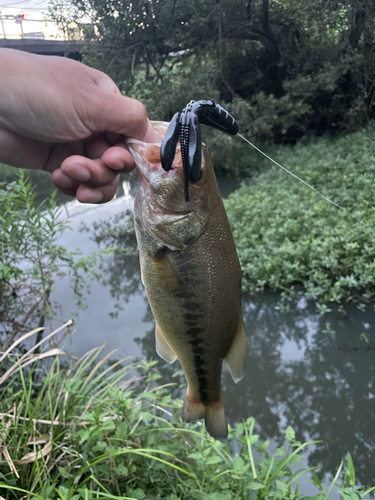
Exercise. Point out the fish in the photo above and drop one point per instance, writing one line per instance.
(192, 276)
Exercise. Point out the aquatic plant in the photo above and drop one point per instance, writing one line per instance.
(91, 428)
(287, 235)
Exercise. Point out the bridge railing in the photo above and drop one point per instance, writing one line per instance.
(18, 27)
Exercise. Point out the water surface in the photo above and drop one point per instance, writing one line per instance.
(313, 372)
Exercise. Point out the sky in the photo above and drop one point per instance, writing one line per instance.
(35, 11)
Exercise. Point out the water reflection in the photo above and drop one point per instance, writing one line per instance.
(313, 372)
(298, 374)
(121, 272)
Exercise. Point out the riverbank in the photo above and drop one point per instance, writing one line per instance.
(98, 428)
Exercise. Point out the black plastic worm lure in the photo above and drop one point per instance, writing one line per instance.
(186, 127)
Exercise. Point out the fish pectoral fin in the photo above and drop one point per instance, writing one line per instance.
(164, 350)
(236, 357)
(177, 232)
(166, 276)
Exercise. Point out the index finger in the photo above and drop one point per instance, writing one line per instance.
(121, 115)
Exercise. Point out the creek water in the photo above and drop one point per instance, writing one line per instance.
(313, 372)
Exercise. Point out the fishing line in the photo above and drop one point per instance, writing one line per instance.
(301, 180)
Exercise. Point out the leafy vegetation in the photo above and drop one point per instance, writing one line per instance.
(286, 234)
(38, 178)
(94, 429)
(31, 261)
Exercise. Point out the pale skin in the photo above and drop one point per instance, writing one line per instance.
(68, 119)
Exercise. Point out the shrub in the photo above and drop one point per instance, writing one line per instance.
(31, 260)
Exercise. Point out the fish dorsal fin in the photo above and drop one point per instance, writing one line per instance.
(236, 357)
(164, 350)
(165, 274)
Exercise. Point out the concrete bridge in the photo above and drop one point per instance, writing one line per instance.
(70, 48)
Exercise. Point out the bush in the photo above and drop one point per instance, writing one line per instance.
(31, 261)
(286, 234)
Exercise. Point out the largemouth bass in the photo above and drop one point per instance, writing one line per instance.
(192, 277)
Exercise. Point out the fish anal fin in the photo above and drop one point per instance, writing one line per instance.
(165, 274)
(236, 357)
(164, 350)
(213, 414)
(216, 423)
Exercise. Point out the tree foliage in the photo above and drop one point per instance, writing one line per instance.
(286, 69)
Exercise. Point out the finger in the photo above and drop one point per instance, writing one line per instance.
(115, 157)
(91, 173)
(96, 146)
(64, 183)
(117, 113)
(103, 194)
(119, 159)
(59, 152)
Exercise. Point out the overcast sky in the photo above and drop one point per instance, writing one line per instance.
(34, 10)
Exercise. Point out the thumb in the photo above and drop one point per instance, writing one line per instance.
(122, 115)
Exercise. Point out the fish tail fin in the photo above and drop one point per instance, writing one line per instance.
(216, 423)
(213, 414)
(193, 408)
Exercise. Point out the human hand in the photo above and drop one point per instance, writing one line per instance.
(66, 118)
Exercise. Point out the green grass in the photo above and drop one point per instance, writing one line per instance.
(91, 428)
(286, 234)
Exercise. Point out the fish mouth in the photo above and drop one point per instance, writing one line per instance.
(147, 154)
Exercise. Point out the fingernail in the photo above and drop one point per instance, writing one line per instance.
(91, 197)
(62, 181)
(117, 164)
(79, 173)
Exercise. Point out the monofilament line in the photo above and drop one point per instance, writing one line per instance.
(301, 180)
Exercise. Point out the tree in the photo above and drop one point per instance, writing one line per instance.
(288, 69)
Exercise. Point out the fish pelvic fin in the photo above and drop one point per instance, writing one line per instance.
(213, 414)
(164, 350)
(236, 357)
(140, 265)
